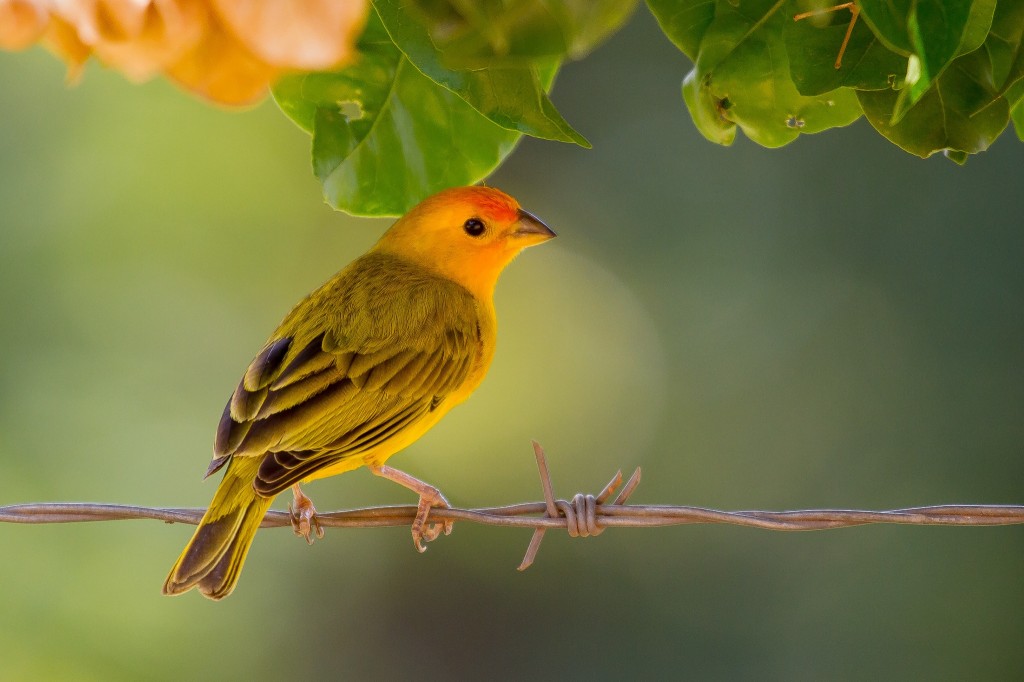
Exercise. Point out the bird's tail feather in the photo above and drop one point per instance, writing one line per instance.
(213, 558)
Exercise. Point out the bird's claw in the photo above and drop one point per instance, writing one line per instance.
(428, 532)
(429, 497)
(304, 519)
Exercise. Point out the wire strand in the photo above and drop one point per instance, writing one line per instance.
(584, 515)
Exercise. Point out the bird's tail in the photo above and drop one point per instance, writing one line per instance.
(213, 558)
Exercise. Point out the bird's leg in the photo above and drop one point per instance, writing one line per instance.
(429, 497)
(304, 520)
(854, 13)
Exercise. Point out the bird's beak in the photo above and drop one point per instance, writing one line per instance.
(531, 229)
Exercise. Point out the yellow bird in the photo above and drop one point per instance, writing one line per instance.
(360, 369)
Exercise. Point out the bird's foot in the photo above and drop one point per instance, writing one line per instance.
(304, 520)
(430, 497)
(428, 532)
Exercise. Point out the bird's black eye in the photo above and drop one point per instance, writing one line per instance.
(474, 227)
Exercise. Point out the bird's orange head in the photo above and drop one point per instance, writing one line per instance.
(467, 234)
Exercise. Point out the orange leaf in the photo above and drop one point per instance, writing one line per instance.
(62, 39)
(170, 28)
(222, 70)
(307, 35)
(22, 22)
(138, 39)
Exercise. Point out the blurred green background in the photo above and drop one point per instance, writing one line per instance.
(835, 323)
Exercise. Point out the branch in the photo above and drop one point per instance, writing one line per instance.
(583, 516)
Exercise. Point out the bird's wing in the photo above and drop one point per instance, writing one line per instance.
(362, 358)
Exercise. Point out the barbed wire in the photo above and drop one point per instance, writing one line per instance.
(583, 516)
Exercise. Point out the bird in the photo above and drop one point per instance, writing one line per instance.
(358, 370)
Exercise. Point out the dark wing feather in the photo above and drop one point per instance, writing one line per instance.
(363, 357)
(266, 364)
(309, 360)
(279, 470)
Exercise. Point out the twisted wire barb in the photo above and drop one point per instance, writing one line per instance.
(585, 515)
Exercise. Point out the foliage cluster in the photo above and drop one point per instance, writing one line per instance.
(418, 95)
(445, 88)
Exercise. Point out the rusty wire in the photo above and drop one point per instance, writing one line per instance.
(583, 516)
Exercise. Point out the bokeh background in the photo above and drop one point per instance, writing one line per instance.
(835, 323)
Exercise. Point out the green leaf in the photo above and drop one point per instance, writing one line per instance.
(978, 25)
(708, 114)
(888, 21)
(940, 30)
(511, 97)
(488, 32)
(963, 111)
(957, 157)
(299, 96)
(1015, 93)
(384, 135)
(684, 21)
(936, 30)
(1005, 44)
(867, 63)
(742, 71)
(1015, 96)
(1018, 119)
(588, 23)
